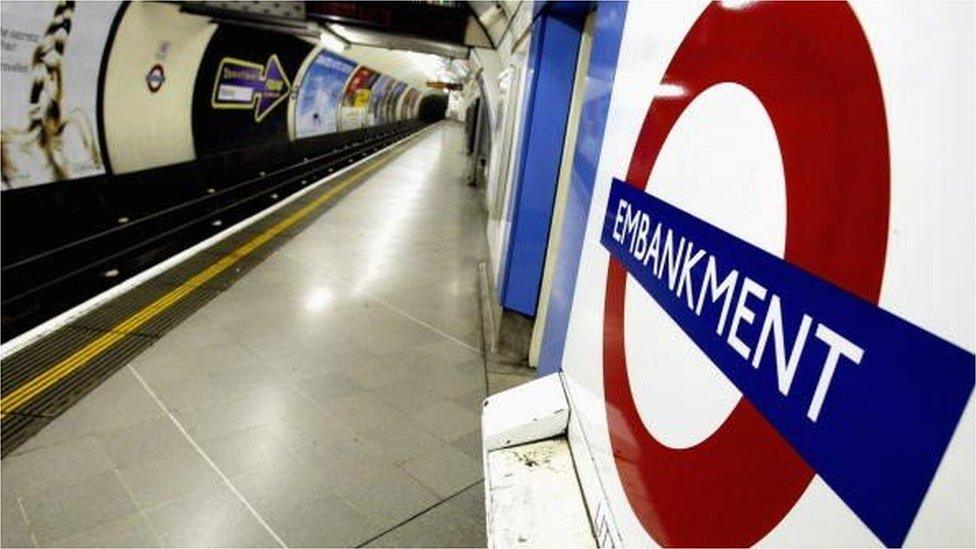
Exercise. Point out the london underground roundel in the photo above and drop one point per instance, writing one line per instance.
(810, 65)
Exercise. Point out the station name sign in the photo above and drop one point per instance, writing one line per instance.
(450, 86)
(868, 400)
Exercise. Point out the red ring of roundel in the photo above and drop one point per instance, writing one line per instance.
(810, 65)
(155, 84)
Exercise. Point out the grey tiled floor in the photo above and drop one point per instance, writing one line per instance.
(330, 398)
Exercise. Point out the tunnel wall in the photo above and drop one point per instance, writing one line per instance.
(133, 131)
(119, 88)
(432, 108)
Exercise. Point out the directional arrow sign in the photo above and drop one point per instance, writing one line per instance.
(243, 84)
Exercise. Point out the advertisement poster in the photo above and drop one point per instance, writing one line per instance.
(241, 91)
(408, 104)
(391, 101)
(51, 56)
(379, 91)
(356, 98)
(320, 94)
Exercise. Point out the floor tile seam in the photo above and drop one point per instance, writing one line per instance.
(243, 394)
(420, 513)
(21, 451)
(375, 519)
(486, 319)
(288, 448)
(27, 522)
(238, 394)
(159, 504)
(418, 479)
(74, 480)
(441, 438)
(96, 525)
(400, 463)
(305, 462)
(529, 374)
(139, 508)
(397, 464)
(290, 451)
(110, 465)
(371, 297)
(254, 513)
(365, 514)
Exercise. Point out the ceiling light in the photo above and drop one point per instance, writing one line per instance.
(332, 41)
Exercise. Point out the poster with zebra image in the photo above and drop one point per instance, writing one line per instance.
(51, 55)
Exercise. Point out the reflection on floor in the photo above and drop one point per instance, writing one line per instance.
(330, 398)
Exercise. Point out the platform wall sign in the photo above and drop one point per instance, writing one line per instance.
(771, 332)
(155, 78)
(242, 89)
(151, 69)
(247, 85)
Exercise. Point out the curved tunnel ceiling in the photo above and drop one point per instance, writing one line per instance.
(414, 68)
(409, 58)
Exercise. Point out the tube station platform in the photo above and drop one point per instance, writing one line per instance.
(330, 396)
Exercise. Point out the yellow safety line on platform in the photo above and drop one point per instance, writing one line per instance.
(83, 356)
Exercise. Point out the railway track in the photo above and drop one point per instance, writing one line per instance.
(49, 281)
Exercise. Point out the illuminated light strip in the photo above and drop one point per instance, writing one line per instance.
(81, 357)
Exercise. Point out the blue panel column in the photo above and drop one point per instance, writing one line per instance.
(553, 53)
(610, 18)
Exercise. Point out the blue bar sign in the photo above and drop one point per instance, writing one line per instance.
(869, 400)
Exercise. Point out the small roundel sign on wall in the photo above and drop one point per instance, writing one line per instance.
(155, 78)
(829, 380)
